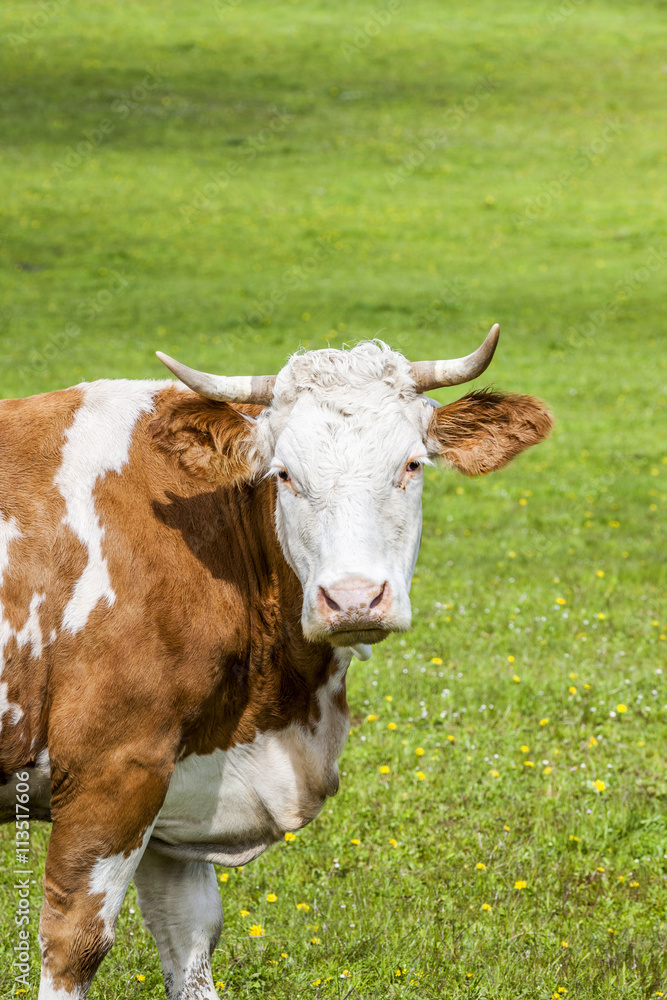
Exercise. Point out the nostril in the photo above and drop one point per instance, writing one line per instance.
(330, 601)
(376, 600)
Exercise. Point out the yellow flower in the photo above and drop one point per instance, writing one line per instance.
(592, 742)
(600, 785)
(564, 944)
(621, 708)
(373, 718)
(219, 985)
(520, 884)
(523, 502)
(611, 930)
(290, 836)
(384, 769)
(140, 978)
(485, 906)
(391, 725)
(600, 869)
(316, 982)
(573, 677)
(303, 906)
(452, 739)
(510, 659)
(517, 680)
(621, 878)
(315, 940)
(512, 555)
(634, 885)
(495, 774)
(394, 843)
(345, 974)
(524, 749)
(419, 751)
(388, 697)
(224, 876)
(561, 600)
(355, 841)
(271, 897)
(587, 687)
(437, 661)
(399, 972)
(528, 763)
(420, 775)
(572, 837)
(547, 770)
(244, 913)
(481, 866)
(561, 990)
(283, 954)
(256, 931)
(544, 722)
(506, 828)
(600, 573)
(572, 690)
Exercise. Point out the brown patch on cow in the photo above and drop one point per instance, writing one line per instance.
(212, 441)
(47, 559)
(484, 430)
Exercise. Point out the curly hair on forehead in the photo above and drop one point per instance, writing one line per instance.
(329, 370)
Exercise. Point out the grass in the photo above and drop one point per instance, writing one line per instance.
(265, 175)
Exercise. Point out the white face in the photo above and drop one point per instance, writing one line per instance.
(349, 471)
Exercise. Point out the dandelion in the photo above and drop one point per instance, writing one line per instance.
(520, 884)
(219, 985)
(486, 907)
(524, 749)
(600, 785)
(601, 616)
(510, 659)
(384, 769)
(420, 775)
(256, 930)
(271, 897)
(517, 680)
(316, 982)
(388, 697)
(452, 739)
(373, 718)
(140, 977)
(621, 878)
(224, 876)
(283, 954)
(564, 944)
(419, 751)
(561, 601)
(345, 974)
(391, 725)
(303, 906)
(506, 828)
(495, 774)
(600, 573)
(561, 990)
(437, 661)
(547, 770)
(315, 940)
(621, 708)
(592, 742)
(575, 839)
(544, 722)
(355, 841)
(289, 837)
(611, 930)
(394, 843)
(244, 913)
(528, 763)
(523, 502)
(481, 866)
(634, 885)
(573, 677)
(600, 869)
(587, 687)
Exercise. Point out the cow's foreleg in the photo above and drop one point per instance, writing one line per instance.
(180, 904)
(101, 826)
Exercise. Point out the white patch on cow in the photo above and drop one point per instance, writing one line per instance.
(180, 905)
(111, 877)
(47, 991)
(9, 532)
(256, 791)
(98, 442)
(32, 631)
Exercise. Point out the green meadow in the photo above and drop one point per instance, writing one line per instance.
(230, 181)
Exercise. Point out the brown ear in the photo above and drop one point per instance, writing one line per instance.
(213, 441)
(484, 430)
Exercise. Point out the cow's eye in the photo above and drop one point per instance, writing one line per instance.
(284, 475)
(414, 466)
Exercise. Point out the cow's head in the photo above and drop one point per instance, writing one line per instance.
(347, 435)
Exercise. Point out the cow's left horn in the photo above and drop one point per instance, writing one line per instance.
(242, 389)
(436, 374)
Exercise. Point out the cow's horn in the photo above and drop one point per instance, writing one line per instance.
(435, 374)
(242, 389)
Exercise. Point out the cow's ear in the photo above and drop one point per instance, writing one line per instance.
(484, 430)
(213, 441)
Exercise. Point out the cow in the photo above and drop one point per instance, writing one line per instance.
(186, 571)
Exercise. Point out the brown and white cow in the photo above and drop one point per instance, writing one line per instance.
(183, 582)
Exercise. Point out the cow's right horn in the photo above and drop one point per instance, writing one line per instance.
(242, 389)
(429, 375)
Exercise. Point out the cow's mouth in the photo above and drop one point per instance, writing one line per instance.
(352, 636)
